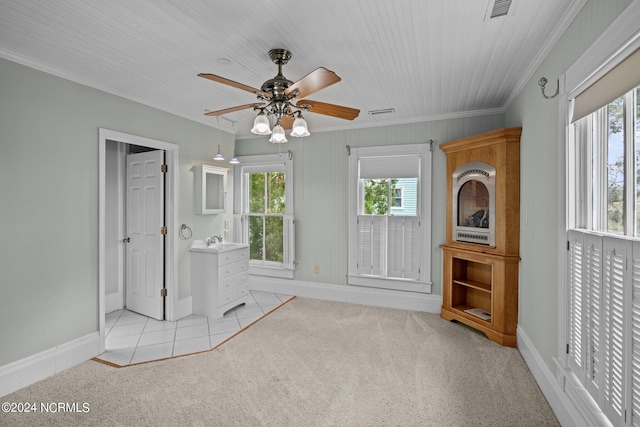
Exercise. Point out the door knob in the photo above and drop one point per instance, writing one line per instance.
(127, 240)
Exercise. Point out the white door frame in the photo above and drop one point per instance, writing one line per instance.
(171, 220)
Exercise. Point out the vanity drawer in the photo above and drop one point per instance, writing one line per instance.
(232, 269)
(233, 256)
(232, 295)
(232, 282)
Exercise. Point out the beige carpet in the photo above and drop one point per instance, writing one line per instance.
(310, 363)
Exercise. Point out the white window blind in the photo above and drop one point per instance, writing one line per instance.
(390, 167)
(604, 322)
(619, 80)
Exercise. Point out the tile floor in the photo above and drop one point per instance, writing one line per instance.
(133, 338)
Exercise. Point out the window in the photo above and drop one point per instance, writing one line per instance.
(396, 197)
(387, 196)
(389, 217)
(266, 215)
(263, 207)
(608, 142)
(604, 257)
(600, 284)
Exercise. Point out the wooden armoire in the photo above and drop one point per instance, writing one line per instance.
(480, 273)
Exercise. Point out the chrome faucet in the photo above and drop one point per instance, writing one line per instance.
(215, 239)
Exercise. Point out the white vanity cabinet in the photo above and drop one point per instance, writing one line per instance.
(219, 277)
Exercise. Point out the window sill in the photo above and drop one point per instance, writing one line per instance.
(279, 272)
(390, 283)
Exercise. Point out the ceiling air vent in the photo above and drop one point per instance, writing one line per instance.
(498, 8)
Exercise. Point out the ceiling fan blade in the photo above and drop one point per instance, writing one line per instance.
(286, 122)
(313, 82)
(232, 109)
(237, 85)
(329, 109)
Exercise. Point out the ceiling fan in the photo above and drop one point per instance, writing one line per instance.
(276, 98)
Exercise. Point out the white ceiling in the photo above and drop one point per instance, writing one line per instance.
(427, 59)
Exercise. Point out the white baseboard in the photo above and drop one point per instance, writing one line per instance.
(566, 412)
(353, 294)
(185, 307)
(113, 302)
(39, 366)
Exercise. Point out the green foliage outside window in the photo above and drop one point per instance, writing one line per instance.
(266, 209)
(376, 195)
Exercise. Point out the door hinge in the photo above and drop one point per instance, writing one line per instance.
(568, 245)
(163, 230)
(567, 348)
(163, 168)
(163, 292)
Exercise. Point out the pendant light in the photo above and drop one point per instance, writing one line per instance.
(218, 156)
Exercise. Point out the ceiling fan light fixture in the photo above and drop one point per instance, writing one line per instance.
(276, 98)
(261, 124)
(278, 136)
(299, 129)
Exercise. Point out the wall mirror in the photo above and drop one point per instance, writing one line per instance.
(211, 189)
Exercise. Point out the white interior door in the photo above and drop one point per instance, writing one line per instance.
(145, 219)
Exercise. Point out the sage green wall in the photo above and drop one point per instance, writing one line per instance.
(539, 176)
(49, 201)
(320, 178)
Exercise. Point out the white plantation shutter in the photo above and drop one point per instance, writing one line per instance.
(412, 243)
(635, 338)
(288, 226)
(404, 247)
(371, 244)
(576, 296)
(364, 245)
(395, 254)
(604, 322)
(615, 256)
(378, 245)
(593, 298)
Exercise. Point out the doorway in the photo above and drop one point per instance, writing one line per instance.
(115, 145)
